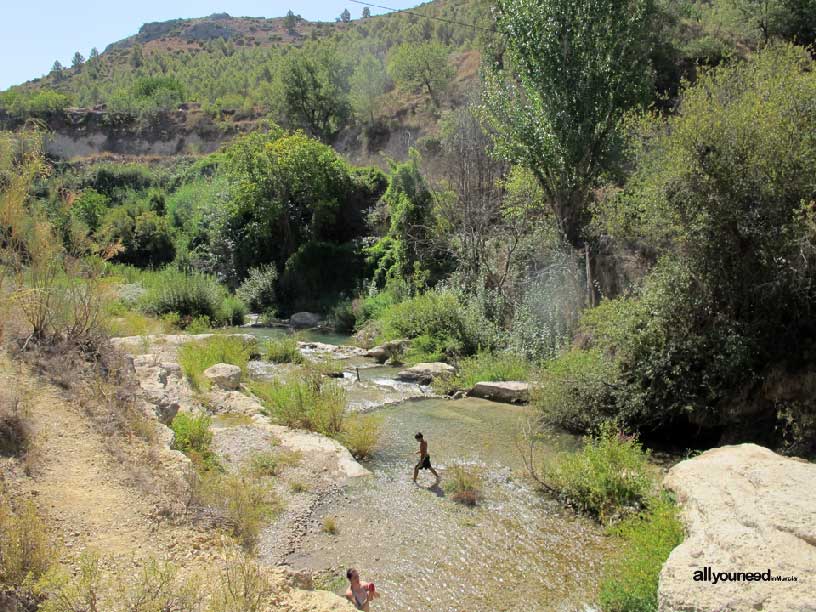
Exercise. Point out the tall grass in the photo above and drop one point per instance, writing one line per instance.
(485, 366)
(282, 350)
(630, 582)
(195, 357)
(360, 434)
(609, 478)
(304, 402)
(464, 485)
(194, 438)
(26, 552)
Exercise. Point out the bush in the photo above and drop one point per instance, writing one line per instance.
(195, 357)
(26, 552)
(630, 582)
(305, 403)
(242, 501)
(485, 366)
(232, 311)
(264, 464)
(258, 288)
(360, 434)
(440, 325)
(464, 485)
(330, 525)
(282, 350)
(608, 478)
(344, 317)
(576, 391)
(193, 437)
(189, 295)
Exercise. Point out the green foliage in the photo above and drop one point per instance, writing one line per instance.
(317, 273)
(440, 325)
(144, 236)
(90, 207)
(282, 350)
(486, 366)
(609, 477)
(288, 191)
(190, 295)
(258, 288)
(193, 437)
(575, 68)
(149, 96)
(421, 65)
(463, 484)
(195, 357)
(232, 311)
(315, 82)
(41, 103)
(306, 402)
(367, 84)
(630, 584)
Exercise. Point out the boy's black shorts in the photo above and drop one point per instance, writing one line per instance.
(425, 464)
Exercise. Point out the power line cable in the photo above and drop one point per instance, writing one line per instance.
(442, 19)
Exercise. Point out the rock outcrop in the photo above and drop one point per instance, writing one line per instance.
(425, 373)
(509, 392)
(388, 350)
(745, 509)
(224, 375)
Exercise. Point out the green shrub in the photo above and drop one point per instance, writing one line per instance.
(305, 401)
(463, 484)
(282, 350)
(630, 582)
(440, 325)
(610, 477)
(343, 317)
(199, 325)
(258, 288)
(485, 366)
(576, 391)
(195, 357)
(193, 437)
(190, 295)
(360, 434)
(232, 311)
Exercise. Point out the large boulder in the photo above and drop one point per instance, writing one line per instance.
(304, 320)
(425, 373)
(745, 509)
(224, 375)
(510, 391)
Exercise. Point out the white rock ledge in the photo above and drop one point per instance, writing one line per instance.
(745, 509)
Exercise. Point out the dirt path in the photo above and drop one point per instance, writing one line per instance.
(84, 492)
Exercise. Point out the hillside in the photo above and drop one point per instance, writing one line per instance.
(215, 76)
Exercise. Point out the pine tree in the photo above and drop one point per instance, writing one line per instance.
(345, 16)
(366, 12)
(77, 60)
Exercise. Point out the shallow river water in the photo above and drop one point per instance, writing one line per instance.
(516, 550)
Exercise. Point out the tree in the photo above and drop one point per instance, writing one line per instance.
(573, 68)
(77, 60)
(345, 16)
(57, 71)
(136, 56)
(315, 88)
(94, 55)
(367, 84)
(366, 12)
(290, 21)
(421, 65)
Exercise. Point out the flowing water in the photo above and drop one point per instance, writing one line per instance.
(515, 550)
